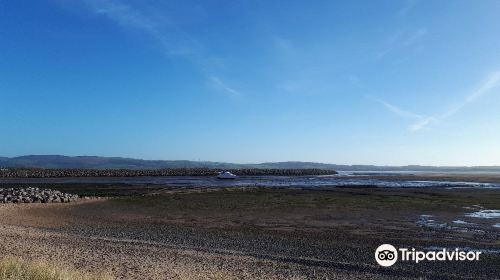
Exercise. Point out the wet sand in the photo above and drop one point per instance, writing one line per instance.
(450, 177)
(257, 233)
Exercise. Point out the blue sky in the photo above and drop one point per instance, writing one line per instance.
(348, 82)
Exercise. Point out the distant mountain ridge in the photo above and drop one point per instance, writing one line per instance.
(96, 162)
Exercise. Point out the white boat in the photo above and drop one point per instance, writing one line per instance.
(226, 175)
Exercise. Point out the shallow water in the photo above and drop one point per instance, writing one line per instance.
(460, 222)
(271, 181)
(484, 214)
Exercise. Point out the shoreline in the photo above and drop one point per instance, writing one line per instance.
(126, 173)
(259, 232)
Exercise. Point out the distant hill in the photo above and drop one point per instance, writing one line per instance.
(94, 162)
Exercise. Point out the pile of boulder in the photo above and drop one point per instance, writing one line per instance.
(60, 173)
(34, 195)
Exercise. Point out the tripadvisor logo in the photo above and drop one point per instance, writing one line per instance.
(387, 255)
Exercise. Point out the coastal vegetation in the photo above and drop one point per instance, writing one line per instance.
(18, 269)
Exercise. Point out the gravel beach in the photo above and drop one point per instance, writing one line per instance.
(251, 234)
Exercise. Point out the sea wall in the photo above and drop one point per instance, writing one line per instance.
(57, 173)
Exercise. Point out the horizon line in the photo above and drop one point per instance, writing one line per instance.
(251, 163)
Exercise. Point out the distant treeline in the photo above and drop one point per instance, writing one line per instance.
(57, 173)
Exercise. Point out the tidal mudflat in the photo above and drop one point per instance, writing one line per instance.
(256, 232)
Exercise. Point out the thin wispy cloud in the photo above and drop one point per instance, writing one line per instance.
(490, 83)
(285, 48)
(424, 121)
(121, 14)
(173, 39)
(406, 9)
(415, 37)
(401, 40)
(396, 110)
(223, 86)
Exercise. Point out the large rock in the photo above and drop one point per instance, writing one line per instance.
(34, 195)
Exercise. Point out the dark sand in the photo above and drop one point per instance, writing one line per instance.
(255, 233)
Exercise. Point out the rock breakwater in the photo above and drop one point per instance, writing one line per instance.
(34, 195)
(58, 173)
